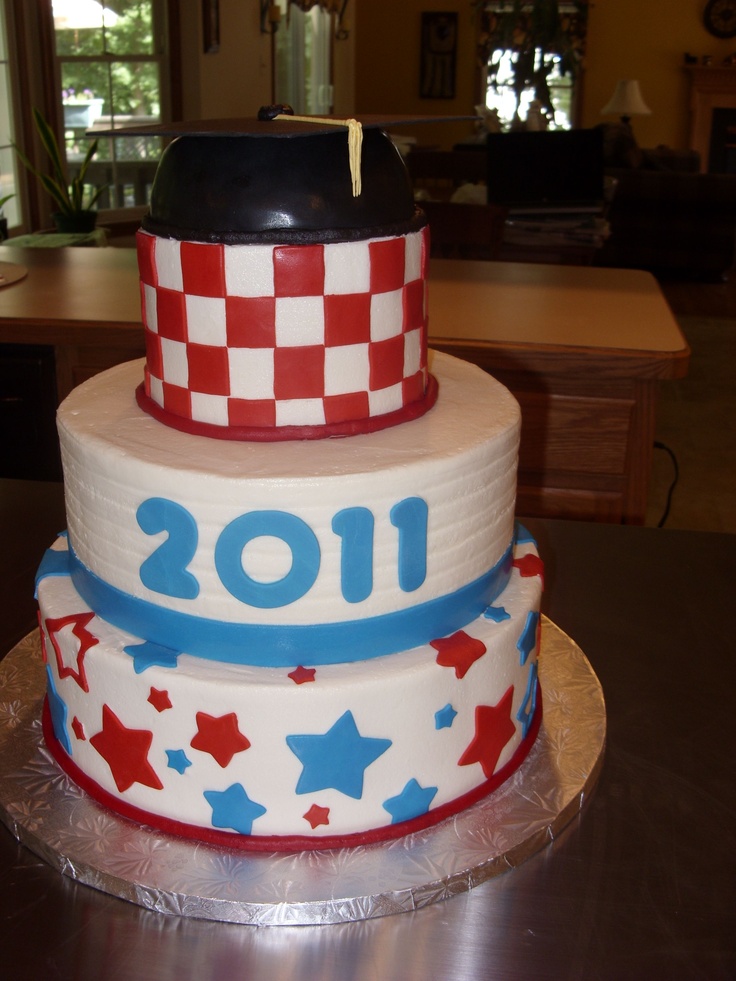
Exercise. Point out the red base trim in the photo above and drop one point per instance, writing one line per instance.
(275, 434)
(289, 843)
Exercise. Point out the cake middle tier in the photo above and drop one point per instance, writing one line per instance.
(291, 553)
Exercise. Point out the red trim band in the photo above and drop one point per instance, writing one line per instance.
(289, 843)
(258, 434)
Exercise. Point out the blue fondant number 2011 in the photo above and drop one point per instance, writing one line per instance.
(165, 570)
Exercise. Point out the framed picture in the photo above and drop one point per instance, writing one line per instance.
(211, 26)
(438, 56)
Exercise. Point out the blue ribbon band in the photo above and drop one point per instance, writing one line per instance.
(287, 645)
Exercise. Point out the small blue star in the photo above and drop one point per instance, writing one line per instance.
(233, 808)
(59, 713)
(444, 717)
(529, 702)
(496, 613)
(148, 654)
(178, 760)
(337, 759)
(522, 535)
(527, 640)
(410, 803)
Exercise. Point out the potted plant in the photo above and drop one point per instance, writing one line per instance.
(3, 220)
(74, 214)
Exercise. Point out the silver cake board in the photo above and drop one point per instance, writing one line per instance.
(51, 816)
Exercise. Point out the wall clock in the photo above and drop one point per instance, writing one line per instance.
(719, 18)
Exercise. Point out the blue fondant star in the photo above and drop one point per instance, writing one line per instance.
(529, 702)
(337, 759)
(410, 803)
(496, 613)
(233, 808)
(444, 717)
(148, 654)
(178, 760)
(527, 640)
(522, 535)
(59, 713)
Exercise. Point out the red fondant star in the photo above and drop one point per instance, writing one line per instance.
(300, 675)
(159, 699)
(317, 815)
(529, 565)
(44, 654)
(493, 729)
(86, 640)
(126, 752)
(78, 729)
(220, 737)
(459, 651)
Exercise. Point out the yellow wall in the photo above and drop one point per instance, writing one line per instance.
(643, 39)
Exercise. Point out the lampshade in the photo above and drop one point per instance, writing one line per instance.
(626, 100)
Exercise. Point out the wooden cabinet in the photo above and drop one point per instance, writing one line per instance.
(28, 444)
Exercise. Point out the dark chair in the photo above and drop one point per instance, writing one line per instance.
(464, 231)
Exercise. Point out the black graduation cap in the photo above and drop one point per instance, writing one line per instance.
(280, 177)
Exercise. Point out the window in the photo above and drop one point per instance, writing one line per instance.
(112, 70)
(8, 180)
(532, 50)
(303, 57)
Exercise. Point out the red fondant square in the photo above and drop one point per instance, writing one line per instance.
(252, 412)
(154, 361)
(413, 387)
(177, 400)
(203, 268)
(413, 301)
(208, 369)
(171, 314)
(146, 248)
(347, 319)
(250, 321)
(299, 270)
(299, 372)
(387, 362)
(387, 265)
(343, 408)
(425, 251)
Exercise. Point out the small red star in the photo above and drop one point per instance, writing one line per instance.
(78, 729)
(493, 729)
(529, 565)
(317, 815)
(300, 675)
(220, 737)
(85, 638)
(459, 651)
(126, 752)
(159, 699)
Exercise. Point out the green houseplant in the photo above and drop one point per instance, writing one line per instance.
(74, 214)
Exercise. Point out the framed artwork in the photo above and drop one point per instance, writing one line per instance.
(438, 56)
(211, 26)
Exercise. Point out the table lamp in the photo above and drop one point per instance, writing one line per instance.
(626, 101)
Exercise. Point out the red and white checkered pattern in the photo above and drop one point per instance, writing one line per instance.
(287, 335)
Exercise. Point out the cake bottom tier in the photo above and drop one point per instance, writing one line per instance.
(293, 758)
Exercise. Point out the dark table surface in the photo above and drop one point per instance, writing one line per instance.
(641, 885)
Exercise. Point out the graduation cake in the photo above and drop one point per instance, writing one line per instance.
(291, 608)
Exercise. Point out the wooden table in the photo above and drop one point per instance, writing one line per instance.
(640, 885)
(583, 350)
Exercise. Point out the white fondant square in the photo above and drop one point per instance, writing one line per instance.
(412, 352)
(300, 412)
(168, 264)
(150, 308)
(347, 267)
(206, 320)
(210, 408)
(251, 372)
(300, 321)
(249, 270)
(413, 257)
(174, 362)
(387, 315)
(156, 387)
(347, 369)
(386, 400)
